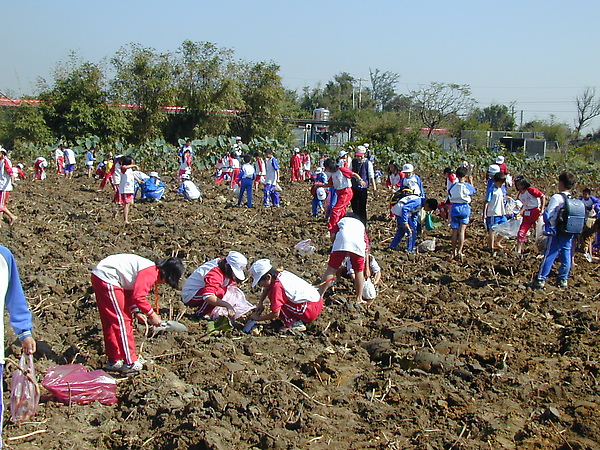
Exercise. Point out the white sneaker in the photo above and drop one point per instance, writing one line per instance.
(132, 369)
(116, 366)
(588, 257)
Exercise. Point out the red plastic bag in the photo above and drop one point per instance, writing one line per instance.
(72, 383)
(24, 391)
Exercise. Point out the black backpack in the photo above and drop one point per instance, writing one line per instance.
(400, 194)
(571, 217)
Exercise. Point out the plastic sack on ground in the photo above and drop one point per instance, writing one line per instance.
(236, 298)
(24, 391)
(512, 206)
(305, 247)
(72, 383)
(426, 246)
(369, 292)
(508, 229)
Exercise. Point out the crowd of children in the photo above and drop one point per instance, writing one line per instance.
(123, 282)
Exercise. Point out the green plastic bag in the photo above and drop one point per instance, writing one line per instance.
(429, 225)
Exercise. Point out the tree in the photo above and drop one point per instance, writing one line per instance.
(383, 88)
(145, 79)
(588, 107)
(75, 106)
(439, 102)
(263, 95)
(206, 84)
(497, 116)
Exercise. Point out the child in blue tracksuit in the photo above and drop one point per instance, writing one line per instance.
(559, 245)
(459, 196)
(318, 191)
(152, 188)
(407, 217)
(246, 179)
(13, 300)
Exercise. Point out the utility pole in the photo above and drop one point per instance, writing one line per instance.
(360, 80)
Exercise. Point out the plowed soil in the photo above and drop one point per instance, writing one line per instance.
(448, 356)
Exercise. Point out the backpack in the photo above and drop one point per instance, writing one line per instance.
(571, 217)
(400, 194)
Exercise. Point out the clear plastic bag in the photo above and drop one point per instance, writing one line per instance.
(369, 291)
(305, 247)
(72, 383)
(24, 391)
(426, 246)
(508, 229)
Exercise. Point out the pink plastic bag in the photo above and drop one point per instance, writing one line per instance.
(24, 391)
(236, 298)
(72, 383)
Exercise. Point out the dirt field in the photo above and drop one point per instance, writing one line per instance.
(448, 356)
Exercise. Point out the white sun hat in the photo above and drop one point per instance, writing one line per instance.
(238, 263)
(259, 269)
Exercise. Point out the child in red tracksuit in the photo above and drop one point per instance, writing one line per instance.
(533, 201)
(341, 180)
(205, 288)
(122, 283)
(293, 301)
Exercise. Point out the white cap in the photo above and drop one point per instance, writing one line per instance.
(258, 269)
(493, 169)
(407, 168)
(154, 174)
(366, 145)
(185, 176)
(343, 153)
(464, 164)
(237, 138)
(500, 160)
(318, 170)
(296, 150)
(20, 166)
(238, 263)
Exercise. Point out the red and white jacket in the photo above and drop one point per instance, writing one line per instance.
(207, 280)
(132, 273)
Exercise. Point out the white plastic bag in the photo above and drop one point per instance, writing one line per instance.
(369, 292)
(508, 229)
(426, 246)
(236, 298)
(321, 193)
(305, 247)
(236, 190)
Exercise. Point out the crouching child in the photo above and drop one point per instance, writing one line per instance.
(293, 301)
(407, 218)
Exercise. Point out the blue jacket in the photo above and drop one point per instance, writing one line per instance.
(411, 208)
(13, 299)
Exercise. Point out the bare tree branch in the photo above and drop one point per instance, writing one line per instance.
(587, 108)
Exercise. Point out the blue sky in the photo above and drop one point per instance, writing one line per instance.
(537, 54)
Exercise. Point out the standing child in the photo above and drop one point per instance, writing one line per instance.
(394, 178)
(89, 161)
(121, 284)
(412, 181)
(560, 242)
(460, 197)
(494, 211)
(69, 162)
(59, 159)
(293, 301)
(295, 165)
(350, 239)
(305, 157)
(7, 177)
(533, 201)
(260, 170)
(126, 186)
(235, 170)
(444, 208)
(12, 299)
(246, 178)
(271, 196)
(185, 161)
(341, 180)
